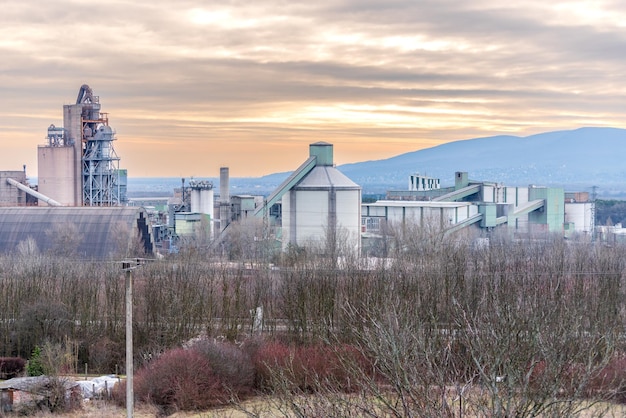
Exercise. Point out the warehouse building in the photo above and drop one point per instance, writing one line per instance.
(84, 232)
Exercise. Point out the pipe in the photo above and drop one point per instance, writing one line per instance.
(43, 198)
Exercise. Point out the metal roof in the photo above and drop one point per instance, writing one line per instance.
(99, 231)
(326, 177)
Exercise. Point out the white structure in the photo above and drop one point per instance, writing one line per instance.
(319, 203)
(524, 210)
(199, 220)
(417, 182)
(439, 214)
(201, 196)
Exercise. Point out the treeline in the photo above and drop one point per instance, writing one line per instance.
(610, 212)
(545, 315)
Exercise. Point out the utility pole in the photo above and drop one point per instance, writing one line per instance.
(127, 267)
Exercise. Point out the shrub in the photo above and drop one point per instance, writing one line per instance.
(105, 354)
(179, 379)
(35, 365)
(269, 358)
(611, 379)
(11, 367)
(230, 364)
(310, 368)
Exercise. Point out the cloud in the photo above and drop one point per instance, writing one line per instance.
(217, 77)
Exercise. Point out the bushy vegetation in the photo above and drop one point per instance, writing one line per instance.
(35, 365)
(610, 212)
(11, 367)
(209, 373)
(441, 327)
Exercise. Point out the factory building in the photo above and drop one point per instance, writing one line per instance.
(9, 194)
(483, 205)
(198, 218)
(316, 203)
(90, 233)
(15, 190)
(78, 165)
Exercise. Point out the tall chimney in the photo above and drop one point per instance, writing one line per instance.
(225, 215)
(224, 186)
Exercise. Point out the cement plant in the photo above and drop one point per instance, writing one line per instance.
(473, 299)
(80, 182)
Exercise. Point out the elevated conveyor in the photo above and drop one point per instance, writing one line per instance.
(26, 189)
(458, 194)
(286, 185)
(528, 207)
(463, 224)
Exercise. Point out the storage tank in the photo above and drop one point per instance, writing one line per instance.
(201, 195)
(324, 202)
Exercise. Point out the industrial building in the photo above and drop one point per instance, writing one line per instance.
(78, 165)
(11, 195)
(419, 182)
(196, 217)
(86, 232)
(315, 203)
(483, 205)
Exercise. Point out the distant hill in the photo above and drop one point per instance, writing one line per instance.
(578, 159)
(575, 159)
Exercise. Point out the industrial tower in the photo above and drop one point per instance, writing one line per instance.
(78, 166)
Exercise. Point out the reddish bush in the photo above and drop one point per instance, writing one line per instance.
(310, 368)
(178, 380)
(268, 359)
(230, 364)
(545, 376)
(11, 367)
(611, 380)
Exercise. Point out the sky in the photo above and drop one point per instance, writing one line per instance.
(194, 85)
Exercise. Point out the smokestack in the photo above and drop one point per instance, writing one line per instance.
(225, 216)
(224, 186)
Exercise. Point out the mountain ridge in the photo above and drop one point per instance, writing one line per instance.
(576, 159)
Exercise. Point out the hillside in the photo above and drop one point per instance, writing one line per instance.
(575, 159)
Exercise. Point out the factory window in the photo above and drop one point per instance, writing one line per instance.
(370, 224)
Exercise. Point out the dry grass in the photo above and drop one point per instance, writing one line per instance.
(254, 407)
(104, 409)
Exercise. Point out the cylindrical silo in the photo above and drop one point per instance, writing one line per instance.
(195, 200)
(206, 201)
(324, 205)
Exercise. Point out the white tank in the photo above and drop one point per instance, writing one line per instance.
(201, 197)
(324, 202)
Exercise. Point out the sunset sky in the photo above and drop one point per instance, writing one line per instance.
(193, 85)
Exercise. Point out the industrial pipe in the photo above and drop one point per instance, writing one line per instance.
(43, 198)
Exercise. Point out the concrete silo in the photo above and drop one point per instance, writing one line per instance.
(319, 203)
